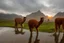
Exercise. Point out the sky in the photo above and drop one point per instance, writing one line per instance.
(25, 7)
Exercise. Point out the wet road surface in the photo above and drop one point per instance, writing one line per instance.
(8, 35)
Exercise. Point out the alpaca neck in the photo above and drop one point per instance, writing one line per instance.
(39, 23)
(23, 20)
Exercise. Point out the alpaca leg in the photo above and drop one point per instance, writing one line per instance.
(30, 30)
(63, 27)
(16, 28)
(59, 28)
(37, 30)
(56, 28)
(21, 28)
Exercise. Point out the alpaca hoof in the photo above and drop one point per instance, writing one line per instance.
(22, 33)
(16, 32)
(36, 41)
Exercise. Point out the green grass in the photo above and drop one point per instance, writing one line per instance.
(44, 27)
(6, 23)
(47, 27)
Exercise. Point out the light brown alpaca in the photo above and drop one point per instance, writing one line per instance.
(19, 21)
(35, 24)
(58, 23)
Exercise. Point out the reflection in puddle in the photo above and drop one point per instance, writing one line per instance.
(36, 39)
(8, 35)
(62, 40)
(19, 32)
(56, 38)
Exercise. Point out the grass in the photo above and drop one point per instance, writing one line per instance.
(6, 23)
(44, 27)
(47, 27)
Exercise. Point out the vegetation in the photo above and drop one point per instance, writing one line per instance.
(44, 27)
(6, 23)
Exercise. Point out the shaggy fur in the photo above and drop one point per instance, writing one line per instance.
(35, 24)
(19, 21)
(58, 23)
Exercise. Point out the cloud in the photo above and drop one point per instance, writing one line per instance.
(28, 6)
(55, 7)
(21, 6)
(57, 4)
(9, 5)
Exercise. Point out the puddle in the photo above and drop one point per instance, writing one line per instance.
(8, 35)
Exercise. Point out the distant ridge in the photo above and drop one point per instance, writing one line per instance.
(35, 15)
(4, 16)
(59, 14)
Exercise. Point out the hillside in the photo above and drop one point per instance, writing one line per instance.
(59, 14)
(8, 16)
(35, 15)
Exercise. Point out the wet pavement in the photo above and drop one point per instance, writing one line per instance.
(8, 35)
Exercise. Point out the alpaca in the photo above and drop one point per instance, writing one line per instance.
(58, 23)
(35, 24)
(19, 21)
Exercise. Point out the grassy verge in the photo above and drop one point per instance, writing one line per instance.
(44, 27)
(6, 23)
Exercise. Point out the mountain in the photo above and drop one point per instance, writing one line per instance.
(8, 16)
(59, 14)
(35, 15)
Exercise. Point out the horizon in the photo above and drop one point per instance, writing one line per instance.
(27, 14)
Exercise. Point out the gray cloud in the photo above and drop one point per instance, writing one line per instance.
(57, 4)
(10, 5)
(20, 5)
(28, 6)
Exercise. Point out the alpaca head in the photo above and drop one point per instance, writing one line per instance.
(41, 19)
(24, 19)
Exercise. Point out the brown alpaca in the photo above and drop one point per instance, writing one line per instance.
(19, 21)
(35, 24)
(58, 23)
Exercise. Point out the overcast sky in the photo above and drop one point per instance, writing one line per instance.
(25, 7)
